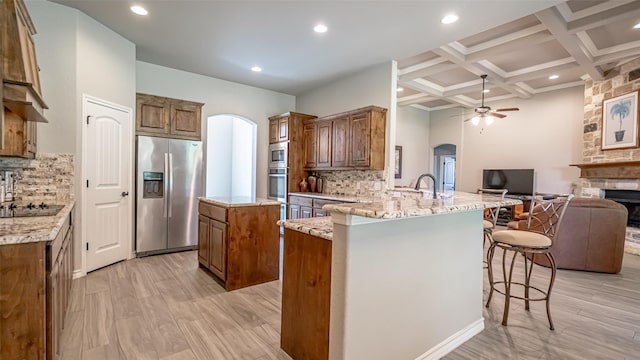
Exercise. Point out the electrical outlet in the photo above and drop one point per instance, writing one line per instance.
(377, 186)
(396, 194)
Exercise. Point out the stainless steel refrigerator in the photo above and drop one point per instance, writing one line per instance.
(168, 184)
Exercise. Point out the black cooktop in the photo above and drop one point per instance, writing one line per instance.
(12, 210)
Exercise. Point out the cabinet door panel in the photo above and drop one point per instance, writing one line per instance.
(283, 129)
(218, 246)
(309, 140)
(324, 144)
(185, 119)
(340, 143)
(306, 212)
(273, 131)
(203, 240)
(360, 139)
(152, 115)
(294, 212)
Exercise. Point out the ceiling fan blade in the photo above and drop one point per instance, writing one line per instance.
(508, 109)
(499, 116)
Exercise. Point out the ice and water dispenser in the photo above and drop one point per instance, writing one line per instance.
(153, 185)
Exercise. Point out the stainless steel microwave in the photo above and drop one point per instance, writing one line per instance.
(278, 155)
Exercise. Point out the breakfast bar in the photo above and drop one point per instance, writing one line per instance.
(405, 278)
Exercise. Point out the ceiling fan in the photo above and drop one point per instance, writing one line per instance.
(484, 112)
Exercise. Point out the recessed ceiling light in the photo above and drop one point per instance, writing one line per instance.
(449, 19)
(636, 26)
(399, 89)
(256, 69)
(320, 28)
(139, 10)
(486, 90)
(553, 77)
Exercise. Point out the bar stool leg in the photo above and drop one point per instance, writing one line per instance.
(490, 253)
(552, 261)
(507, 284)
(528, 270)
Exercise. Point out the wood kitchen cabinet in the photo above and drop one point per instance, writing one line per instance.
(309, 140)
(302, 207)
(350, 140)
(167, 117)
(279, 128)
(22, 101)
(239, 243)
(35, 283)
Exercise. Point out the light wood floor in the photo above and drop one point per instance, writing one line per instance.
(164, 307)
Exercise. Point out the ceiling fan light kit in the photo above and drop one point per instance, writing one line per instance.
(484, 112)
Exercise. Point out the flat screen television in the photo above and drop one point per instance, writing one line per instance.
(516, 181)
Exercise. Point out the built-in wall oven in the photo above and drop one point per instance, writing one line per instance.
(278, 184)
(278, 155)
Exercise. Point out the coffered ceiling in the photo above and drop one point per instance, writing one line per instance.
(574, 40)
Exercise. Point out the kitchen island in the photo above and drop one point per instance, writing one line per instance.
(405, 279)
(239, 240)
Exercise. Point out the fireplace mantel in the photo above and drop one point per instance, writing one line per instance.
(610, 170)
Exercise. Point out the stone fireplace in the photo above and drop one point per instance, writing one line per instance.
(611, 173)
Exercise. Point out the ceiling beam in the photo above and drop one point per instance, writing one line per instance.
(427, 71)
(571, 43)
(415, 99)
(610, 16)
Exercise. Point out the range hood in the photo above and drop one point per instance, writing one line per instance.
(20, 78)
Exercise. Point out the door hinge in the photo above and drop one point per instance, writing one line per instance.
(87, 183)
(87, 246)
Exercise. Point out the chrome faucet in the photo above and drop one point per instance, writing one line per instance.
(435, 196)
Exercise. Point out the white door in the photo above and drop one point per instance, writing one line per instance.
(108, 172)
(448, 172)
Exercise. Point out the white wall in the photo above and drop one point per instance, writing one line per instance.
(219, 97)
(77, 56)
(412, 133)
(375, 85)
(446, 128)
(243, 158)
(546, 135)
(218, 169)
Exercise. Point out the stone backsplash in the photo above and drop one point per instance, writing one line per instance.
(353, 182)
(618, 81)
(48, 177)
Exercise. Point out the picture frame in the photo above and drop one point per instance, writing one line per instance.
(398, 163)
(620, 122)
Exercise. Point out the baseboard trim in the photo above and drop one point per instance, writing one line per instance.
(453, 341)
(78, 274)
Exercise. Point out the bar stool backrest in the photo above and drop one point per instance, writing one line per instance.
(546, 216)
(491, 214)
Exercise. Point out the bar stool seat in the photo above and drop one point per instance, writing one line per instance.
(527, 239)
(487, 224)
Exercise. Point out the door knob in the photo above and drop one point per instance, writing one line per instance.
(125, 194)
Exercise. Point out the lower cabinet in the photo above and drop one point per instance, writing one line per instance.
(303, 207)
(239, 245)
(35, 282)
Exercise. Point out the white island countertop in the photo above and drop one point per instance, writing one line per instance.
(238, 201)
(401, 208)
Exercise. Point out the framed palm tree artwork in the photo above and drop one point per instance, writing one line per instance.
(620, 122)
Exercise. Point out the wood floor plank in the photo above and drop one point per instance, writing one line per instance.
(135, 339)
(77, 295)
(183, 355)
(72, 336)
(97, 281)
(98, 320)
(167, 337)
(204, 342)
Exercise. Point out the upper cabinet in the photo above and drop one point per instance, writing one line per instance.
(166, 117)
(349, 140)
(279, 128)
(20, 94)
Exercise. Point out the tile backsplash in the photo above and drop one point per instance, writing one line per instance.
(353, 182)
(48, 177)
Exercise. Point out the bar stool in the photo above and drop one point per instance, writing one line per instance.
(545, 217)
(490, 216)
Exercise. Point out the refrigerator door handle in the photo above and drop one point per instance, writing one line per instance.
(166, 185)
(170, 183)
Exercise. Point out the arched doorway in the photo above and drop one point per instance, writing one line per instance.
(231, 156)
(444, 160)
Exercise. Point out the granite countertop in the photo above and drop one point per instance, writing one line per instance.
(345, 198)
(401, 208)
(20, 230)
(238, 201)
(319, 226)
